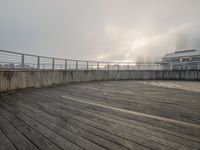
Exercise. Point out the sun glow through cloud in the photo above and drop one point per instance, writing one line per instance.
(100, 29)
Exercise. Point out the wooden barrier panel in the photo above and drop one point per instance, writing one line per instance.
(19, 79)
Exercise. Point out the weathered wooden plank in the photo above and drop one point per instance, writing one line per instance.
(58, 139)
(78, 130)
(17, 138)
(152, 122)
(141, 91)
(45, 112)
(121, 128)
(171, 126)
(165, 142)
(139, 102)
(134, 99)
(103, 138)
(68, 112)
(80, 137)
(138, 129)
(22, 142)
(5, 143)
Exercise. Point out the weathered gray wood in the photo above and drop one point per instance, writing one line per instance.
(105, 134)
(19, 79)
(138, 129)
(153, 122)
(5, 143)
(20, 141)
(59, 140)
(48, 133)
(63, 127)
(17, 138)
(139, 137)
(78, 130)
(105, 126)
(71, 124)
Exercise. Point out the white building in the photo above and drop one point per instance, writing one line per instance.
(182, 56)
(185, 59)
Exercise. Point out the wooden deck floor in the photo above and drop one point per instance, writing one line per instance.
(114, 115)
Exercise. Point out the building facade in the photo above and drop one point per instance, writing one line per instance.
(180, 60)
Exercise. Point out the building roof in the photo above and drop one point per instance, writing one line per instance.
(184, 53)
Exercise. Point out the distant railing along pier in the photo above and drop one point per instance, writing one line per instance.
(17, 60)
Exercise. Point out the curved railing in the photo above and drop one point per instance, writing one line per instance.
(9, 59)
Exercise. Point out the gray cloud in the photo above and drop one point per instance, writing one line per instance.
(98, 29)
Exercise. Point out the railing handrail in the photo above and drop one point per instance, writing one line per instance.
(24, 60)
(91, 61)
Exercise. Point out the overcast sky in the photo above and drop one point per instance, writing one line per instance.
(110, 30)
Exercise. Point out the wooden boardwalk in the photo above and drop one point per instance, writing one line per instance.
(114, 115)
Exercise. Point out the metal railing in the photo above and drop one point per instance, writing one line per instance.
(17, 60)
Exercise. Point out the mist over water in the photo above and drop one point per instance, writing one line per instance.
(109, 30)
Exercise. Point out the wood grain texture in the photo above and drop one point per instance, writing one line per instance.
(112, 115)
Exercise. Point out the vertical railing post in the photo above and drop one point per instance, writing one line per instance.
(53, 63)
(66, 64)
(97, 66)
(170, 66)
(76, 64)
(87, 65)
(22, 60)
(184, 68)
(108, 66)
(128, 65)
(38, 62)
(118, 66)
(139, 66)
